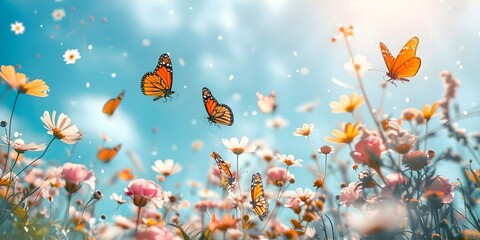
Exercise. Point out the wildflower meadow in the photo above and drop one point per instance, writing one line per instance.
(189, 120)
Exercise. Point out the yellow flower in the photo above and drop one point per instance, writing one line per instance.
(428, 111)
(305, 130)
(347, 136)
(347, 104)
(18, 81)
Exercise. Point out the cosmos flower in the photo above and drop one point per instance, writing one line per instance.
(117, 198)
(143, 191)
(410, 114)
(18, 81)
(58, 14)
(166, 168)
(415, 160)
(20, 147)
(439, 190)
(17, 28)
(367, 151)
(62, 129)
(71, 55)
(290, 160)
(304, 195)
(279, 176)
(358, 64)
(238, 148)
(75, 174)
(347, 136)
(428, 111)
(266, 154)
(351, 194)
(305, 130)
(276, 122)
(347, 104)
(226, 223)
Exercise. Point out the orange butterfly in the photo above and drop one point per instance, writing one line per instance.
(107, 154)
(112, 104)
(217, 113)
(259, 204)
(405, 65)
(226, 177)
(159, 82)
(267, 104)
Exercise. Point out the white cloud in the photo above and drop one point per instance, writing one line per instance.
(88, 116)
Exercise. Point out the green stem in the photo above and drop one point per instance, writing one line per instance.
(65, 219)
(10, 133)
(315, 154)
(23, 169)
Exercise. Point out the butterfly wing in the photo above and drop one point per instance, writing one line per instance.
(387, 57)
(408, 52)
(165, 71)
(107, 154)
(226, 177)
(409, 68)
(217, 113)
(267, 104)
(111, 105)
(259, 204)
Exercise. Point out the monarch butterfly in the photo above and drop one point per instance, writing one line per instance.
(226, 177)
(267, 104)
(258, 203)
(111, 105)
(159, 82)
(217, 113)
(107, 154)
(405, 65)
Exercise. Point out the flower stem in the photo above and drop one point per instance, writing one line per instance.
(23, 169)
(426, 137)
(242, 210)
(65, 219)
(138, 219)
(10, 134)
(315, 154)
(83, 212)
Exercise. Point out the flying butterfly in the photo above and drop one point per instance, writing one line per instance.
(258, 203)
(405, 65)
(267, 104)
(159, 82)
(107, 154)
(226, 177)
(111, 105)
(217, 113)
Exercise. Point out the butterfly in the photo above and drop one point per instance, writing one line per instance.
(107, 154)
(111, 105)
(258, 203)
(226, 177)
(159, 82)
(217, 113)
(405, 65)
(267, 104)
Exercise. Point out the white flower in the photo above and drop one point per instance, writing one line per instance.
(361, 64)
(166, 168)
(266, 154)
(276, 123)
(58, 14)
(20, 147)
(238, 148)
(17, 27)
(305, 196)
(71, 55)
(290, 160)
(304, 130)
(62, 129)
(118, 198)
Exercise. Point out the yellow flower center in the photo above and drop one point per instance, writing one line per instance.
(237, 150)
(58, 134)
(71, 57)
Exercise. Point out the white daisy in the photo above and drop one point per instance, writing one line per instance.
(71, 55)
(238, 148)
(166, 168)
(17, 28)
(62, 129)
(58, 14)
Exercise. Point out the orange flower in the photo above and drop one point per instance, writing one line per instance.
(36, 88)
(347, 104)
(227, 222)
(347, 136)
(428, 111)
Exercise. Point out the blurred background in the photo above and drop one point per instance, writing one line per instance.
(235, 48)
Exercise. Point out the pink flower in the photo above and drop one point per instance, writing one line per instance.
(143, 191)
(155, 233)
(351, 194)
(368, 151)
(439, 190)
(395, 180)
(75, 174)
(279, 176)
